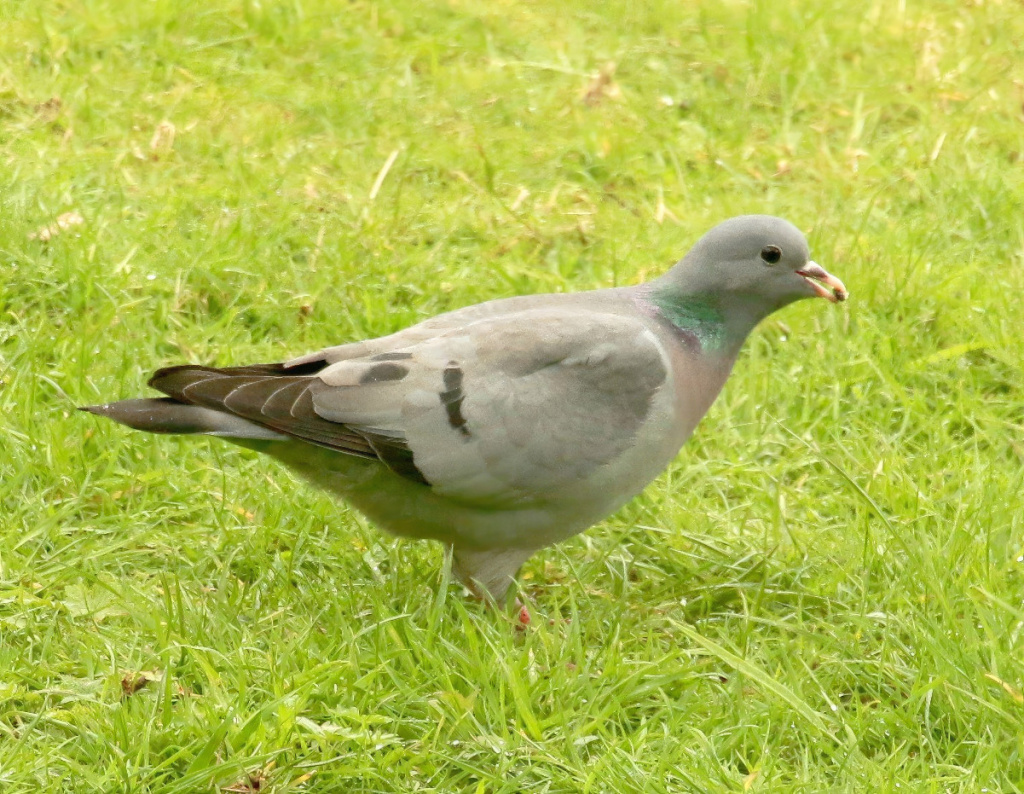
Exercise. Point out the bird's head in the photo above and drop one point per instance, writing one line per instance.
(758, 258)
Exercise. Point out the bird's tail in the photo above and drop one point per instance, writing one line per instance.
(167, 415)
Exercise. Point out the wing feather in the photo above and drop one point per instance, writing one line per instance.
(494, 411)
(508, 408)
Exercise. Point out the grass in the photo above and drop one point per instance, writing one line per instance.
(823, 593)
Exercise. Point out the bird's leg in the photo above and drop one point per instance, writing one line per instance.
(488, 574)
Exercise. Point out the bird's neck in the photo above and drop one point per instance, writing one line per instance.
(714, 326)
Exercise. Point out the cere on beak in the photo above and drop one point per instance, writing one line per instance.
(825, 284)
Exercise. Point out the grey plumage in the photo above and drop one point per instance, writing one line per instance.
(510, 425)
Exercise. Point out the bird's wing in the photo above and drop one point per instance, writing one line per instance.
(494, 413)
(505, 408)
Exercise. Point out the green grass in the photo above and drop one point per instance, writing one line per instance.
(823, 593)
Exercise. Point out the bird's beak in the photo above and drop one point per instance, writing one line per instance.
(825, 285)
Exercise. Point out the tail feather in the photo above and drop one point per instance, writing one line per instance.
(167, 415)
(272, 396)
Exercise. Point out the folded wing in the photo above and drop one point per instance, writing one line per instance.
(496, 412)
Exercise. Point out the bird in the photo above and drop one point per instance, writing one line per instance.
(507, 426)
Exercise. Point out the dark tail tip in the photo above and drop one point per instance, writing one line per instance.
(157, 415)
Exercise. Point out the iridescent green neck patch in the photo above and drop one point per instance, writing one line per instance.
(695, 316)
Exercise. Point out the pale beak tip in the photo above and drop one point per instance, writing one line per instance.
(824, 283)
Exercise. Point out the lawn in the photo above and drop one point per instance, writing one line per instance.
(822, 593)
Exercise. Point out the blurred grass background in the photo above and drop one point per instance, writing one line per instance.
(823, 593)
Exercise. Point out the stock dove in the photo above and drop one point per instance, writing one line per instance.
(510, 425)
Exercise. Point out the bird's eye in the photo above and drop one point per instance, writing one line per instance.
(771, 254)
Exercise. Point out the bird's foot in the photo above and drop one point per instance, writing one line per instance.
(522, 614)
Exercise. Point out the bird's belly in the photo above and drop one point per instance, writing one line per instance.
(409, 509)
